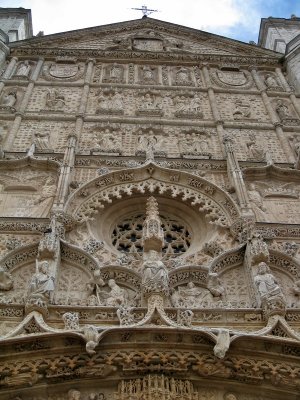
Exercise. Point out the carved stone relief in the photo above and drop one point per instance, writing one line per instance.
(57, 71)
(285, 112)
(26, 193)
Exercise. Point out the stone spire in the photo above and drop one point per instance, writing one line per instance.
(153, 236)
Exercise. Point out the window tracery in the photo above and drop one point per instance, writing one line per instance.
(127, 234)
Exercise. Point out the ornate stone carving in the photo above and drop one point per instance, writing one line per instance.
(182, 77)
(284, 113)
(194, 145)
(272, 83)
(8, 101)
(150, 105)
(242, 110)
(272, 299)
(71, 320)
(54, 100)
(23, 70)
(113, 73)
(214, 284)
(155, 277)
(191, 296)
(59, 71)
(110, 102)
(40, 290)
(186, 107)
(6, 280)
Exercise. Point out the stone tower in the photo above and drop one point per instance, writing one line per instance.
(149, 217)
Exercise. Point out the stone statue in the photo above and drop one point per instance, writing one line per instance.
(6, 280)
(116, 297)
(147, 74)
(242, 110)
(223, 342)
(296, 288)
(190, 296)
(9, 99)
(54, 100)
(74, 394)
(256, 200)
(214, 284)
(265, 281)
(270, 81)
(282, 110)
(23, 69)
(41, 140)
(155, 275)
(42, 282)
(182, 76)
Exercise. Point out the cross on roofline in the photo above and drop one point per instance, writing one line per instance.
(145, 10)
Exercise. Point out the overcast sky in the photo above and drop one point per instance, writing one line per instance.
(238, 19)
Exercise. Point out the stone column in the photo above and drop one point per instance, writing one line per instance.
(24, 103)
(287, 88)
(273, 116)
(213, 105)
(69, 157)
(236, 178)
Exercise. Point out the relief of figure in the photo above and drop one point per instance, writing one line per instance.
(193, 144)
(155, 275)
(41, 140)
(74, 394)
(258, 152)
(8, 100)
(54, 100)
(214, 284)
(106, 142)
(116, 297)
(111, 103)
(282, 110)
(150, 144)
(296, 288)
(242, 110)
(182, 77)
(147, 74)
(41, 284)
(6, 280)
(191, 296)
(271, 82)
(185, 107)
(148, 103)
(257, 202)
(115, 73)
(23, 69)
(265, 281)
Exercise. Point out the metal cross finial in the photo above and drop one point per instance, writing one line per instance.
(145, 10)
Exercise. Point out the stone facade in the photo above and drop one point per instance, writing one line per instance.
(149, 218)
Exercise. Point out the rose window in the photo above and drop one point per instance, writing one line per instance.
(127, 235)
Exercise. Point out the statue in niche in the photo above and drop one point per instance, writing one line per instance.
(242, 110)
(150, 145)
(115, 73)
(182, 77)
(54, 100)
(190, 296)
(42, 282)
(74, 394)
(214, 284)
(147, 74)
(155, 275)
(8, 101)
(282, 110)
(271, 82)
(23, 69)
(257, 202)
(41, 140)
(265, 281)
(6, 280)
